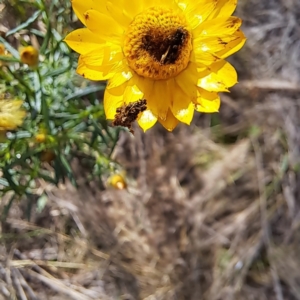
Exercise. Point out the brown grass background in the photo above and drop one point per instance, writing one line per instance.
(210, 213)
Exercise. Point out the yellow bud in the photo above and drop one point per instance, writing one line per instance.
(2, 49)
(117, 181)
(3, 52)
(40, 137)
(29, 55)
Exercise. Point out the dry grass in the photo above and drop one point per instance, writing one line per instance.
(209, 213)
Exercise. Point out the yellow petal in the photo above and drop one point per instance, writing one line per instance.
(197, 12)
(119, 79)
(225, 72)
(117, 12)
(208, 102)
(182, 106)
(212, 44)
(118, 90)
(187, 80)
(80, 7)
(161, 98)
(146, 119)
(223, 75)
(105, 60)
(218, 27)
(186, 115)
(224, 8)
(170, 122)
(83, 41)
(132, 94)
(103, 25)
(208, 50)
(182, 4)
(91, 73)
(105, 54)
(203, 57)
(146, 86)
(234, 45)
(111, 103)
(133, 7)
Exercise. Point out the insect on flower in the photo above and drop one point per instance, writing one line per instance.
(127, 114)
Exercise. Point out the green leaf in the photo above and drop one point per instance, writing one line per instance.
(25, 24)
(57, 72)
(10, 49)
(22, 134)
(8, 58)
(11, 181)
(37, 32)
(4, 182)
(100, 132)
(47, 38)
(68, 169)
(65, 115)
(47, 178)
(86, 91)
(8, 206)
(79, 127)
(41, 203)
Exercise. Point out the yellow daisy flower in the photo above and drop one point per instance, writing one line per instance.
(11, 114)
(170, 53)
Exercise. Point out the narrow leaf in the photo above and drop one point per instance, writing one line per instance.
(9, 48)
(84, 92)
(25, 24)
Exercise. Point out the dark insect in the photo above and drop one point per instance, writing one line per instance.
(128, 113)
(164, 49)
(175, 41)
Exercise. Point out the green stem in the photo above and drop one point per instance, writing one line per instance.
(44, 104)
(28, 90)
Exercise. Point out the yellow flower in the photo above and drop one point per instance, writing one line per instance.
(117, 181)
(170, 53)
(40, 137)
(3, 52)
(11, 114)
(29, 55)
(2, 49)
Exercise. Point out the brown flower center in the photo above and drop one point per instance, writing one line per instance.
(158, 43)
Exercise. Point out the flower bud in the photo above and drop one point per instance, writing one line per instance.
(117, 181)
(29, 55)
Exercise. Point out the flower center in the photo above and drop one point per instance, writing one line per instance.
(158, 44)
